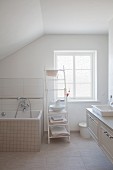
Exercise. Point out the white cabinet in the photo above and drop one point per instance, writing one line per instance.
(106, 140)
(101, 131)
(56, 104)
(92, 122)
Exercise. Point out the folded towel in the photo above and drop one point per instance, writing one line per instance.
(59, 131)
(59, 117)
(64, 120)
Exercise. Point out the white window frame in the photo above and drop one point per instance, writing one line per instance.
(93, 54)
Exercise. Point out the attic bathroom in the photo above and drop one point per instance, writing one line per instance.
(48, 36)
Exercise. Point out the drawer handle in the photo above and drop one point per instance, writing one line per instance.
(105, 132)
(91, 118)
(111, 137)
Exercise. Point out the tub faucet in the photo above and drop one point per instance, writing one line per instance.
(23, 104)
(111, 104)
(24, 109)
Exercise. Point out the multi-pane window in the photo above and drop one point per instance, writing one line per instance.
(80, 69)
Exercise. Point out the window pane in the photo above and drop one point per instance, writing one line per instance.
(83, 76)
(60, 94)
(66, 61)
(60, 75)
(60, 91)
(83, 90)
(60, 86)
(70, 88)
(83, 62)
(69, 76)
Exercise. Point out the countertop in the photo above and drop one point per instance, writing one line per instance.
(108, 121)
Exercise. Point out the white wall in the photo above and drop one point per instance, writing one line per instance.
(110, 89)
(29, 62)
(20, 23)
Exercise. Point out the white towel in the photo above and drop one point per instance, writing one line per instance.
(59, 131)
(64, 120)
(58, 117)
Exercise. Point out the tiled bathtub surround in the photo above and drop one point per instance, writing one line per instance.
(21, 134)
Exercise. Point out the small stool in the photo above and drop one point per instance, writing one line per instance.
(84, 130)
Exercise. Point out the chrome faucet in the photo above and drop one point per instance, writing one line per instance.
(111, 104)
(23, 105)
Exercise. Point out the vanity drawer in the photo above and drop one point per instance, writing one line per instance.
(106, 140)
(93, 126)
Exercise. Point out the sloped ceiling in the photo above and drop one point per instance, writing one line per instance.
(23, 21)
(20, 23)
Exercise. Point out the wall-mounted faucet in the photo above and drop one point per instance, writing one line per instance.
(111, 104)
(23, 105)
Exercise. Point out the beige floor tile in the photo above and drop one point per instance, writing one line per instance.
(79, 154)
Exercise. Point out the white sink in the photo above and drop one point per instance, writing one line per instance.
(56, 108)
(103, 110)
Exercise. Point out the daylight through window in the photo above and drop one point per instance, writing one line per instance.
(81, 73)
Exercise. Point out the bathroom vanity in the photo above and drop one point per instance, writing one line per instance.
(101, 129)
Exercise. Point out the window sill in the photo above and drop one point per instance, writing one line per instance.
(82, 101)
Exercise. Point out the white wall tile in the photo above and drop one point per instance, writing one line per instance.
(36, 104)
(33, 91)
(13, 88)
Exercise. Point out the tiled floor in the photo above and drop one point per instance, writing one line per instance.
(79, 154)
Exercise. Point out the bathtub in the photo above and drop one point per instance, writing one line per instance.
(21, 134)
